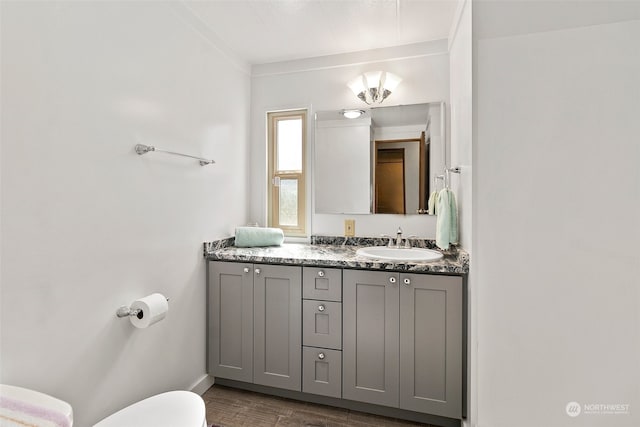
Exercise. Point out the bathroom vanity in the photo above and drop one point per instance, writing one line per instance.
(320, 323)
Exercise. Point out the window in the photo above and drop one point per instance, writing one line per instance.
(287, 135)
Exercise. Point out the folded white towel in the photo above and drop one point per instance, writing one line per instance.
(21, 407)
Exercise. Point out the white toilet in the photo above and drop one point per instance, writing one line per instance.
(171, 409)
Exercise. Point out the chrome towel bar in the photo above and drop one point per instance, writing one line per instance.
(143, 149)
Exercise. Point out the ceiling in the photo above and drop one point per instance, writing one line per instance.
(265, 31)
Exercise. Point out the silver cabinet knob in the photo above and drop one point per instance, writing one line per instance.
(257, 270)
(321, 356)
(246, 269)
(321, 307)
(407, 281)
(392, 280)
(321, 273)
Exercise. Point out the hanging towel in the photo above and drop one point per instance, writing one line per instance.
(432, 204)
(447, 221)
(248, 237)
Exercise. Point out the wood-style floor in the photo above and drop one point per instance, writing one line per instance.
(228, 407)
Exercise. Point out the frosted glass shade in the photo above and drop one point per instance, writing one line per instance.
(391, 82)
(373, 87)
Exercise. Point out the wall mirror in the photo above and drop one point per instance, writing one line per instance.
(384, 162)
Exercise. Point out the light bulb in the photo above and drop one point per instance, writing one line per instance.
(352, 114)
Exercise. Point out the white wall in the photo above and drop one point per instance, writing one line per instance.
(556, 206)
(461, 72)
(88, 225)
(460, 67)
(321, 84)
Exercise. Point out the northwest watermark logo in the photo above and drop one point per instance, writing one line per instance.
(573, 409)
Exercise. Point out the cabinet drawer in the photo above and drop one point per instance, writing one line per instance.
(322, 283)
(322, 371)
(322, 324)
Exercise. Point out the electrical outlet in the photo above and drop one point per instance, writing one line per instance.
(349, 227)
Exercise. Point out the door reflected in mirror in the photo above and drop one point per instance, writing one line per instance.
(401, 175)
(389, 181)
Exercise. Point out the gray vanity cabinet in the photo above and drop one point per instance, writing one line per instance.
(277, 326)
(230, 307)
(403, 341)
(255, 323)
(385, 338)
(370, 324)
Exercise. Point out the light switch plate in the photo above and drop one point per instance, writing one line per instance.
(349, 227)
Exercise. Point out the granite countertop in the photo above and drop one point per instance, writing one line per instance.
(323, 252)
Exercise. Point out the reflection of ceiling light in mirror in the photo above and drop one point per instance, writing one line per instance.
(352, 114)
(374, 87)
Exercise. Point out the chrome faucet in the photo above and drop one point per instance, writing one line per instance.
(398, 243)
(399, 238)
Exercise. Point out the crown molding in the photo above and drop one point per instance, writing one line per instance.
(387, 54)
(455, 24)
(193, 20)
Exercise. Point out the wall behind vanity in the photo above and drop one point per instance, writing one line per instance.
(321, 84)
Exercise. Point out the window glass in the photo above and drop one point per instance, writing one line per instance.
(288, 202)
(289, 143)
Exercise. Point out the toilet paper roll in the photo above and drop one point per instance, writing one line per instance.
(153, 308)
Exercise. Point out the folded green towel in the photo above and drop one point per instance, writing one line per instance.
(447, 221)
(248, 237)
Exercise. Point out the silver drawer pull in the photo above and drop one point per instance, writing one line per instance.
(321, 273)
(407, 281)
(392, 280)
(321, 356)
(257, 270)
(246, 269)
(321, 307)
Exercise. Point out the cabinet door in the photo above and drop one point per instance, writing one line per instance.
(431, 344)
(370, 342)
(277, 326)
(230, 320)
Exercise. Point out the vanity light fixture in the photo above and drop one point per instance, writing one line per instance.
(374, 87)
(352, 114)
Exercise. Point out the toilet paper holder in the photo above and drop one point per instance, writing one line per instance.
(125, 311)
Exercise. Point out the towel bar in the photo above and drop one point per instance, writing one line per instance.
(143, 149)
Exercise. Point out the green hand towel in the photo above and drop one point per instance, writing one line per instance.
(432, 204)
(248, 237)
(447, 221)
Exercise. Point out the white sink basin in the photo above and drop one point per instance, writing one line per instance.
(399, 254)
